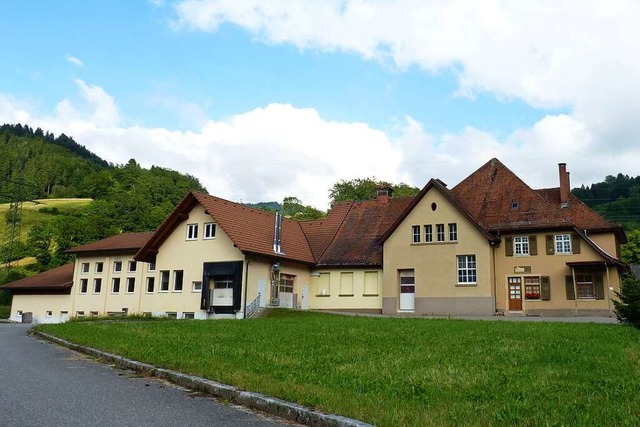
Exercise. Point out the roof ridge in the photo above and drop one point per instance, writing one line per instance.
(333, 238)
(241, 205)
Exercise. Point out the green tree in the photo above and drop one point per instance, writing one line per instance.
(41, 242)
(631, 250)
(293, 208)
(627, 307)
(365, 189)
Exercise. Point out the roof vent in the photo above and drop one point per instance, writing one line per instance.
(277, 233)
(384, 193)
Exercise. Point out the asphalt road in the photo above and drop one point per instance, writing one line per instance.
(42, 384)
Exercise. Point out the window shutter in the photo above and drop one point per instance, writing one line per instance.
(508, 246)
(575, 243)
(533, 245)
(545, 288)
(550, 244)
(568, 280)
(599, 286)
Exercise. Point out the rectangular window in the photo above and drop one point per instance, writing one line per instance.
(115, 285)
(84, 284)
(584, 283)
(188, 316)
(324, 284)
(196, 286)
(521, 245)
(99, 267)
(371, 283)
(286, 282)
(192, 231)
(453, 232)
(346, 283)
(209, 230)
(428, 233)
(172, 315)
(93, 313)
(151, 266)
(117, 266)
(133, 266)
(85, 267)
(79, 314)
(532, 288)
(164, 281)
(49, 313)
(563, 243)
(151, 283)
(440, 232)
(131, 285)
(467, 273)
(416, 233)
(178, 276)
(97, 286)
(223, 282)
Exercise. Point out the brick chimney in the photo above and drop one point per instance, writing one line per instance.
(565, 188)
(384, 193)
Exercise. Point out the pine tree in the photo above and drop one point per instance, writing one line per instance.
(628, 307)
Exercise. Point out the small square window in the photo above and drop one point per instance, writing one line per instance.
(133, 266)
(79, 314)
(151, 266)
(85, 267)
(49, 313)
(192, 231)
(209, 230)
(99, 267)
(188, 316)
(93, 313)
(521, 245)
(196, 286)
(172, 315)
(117, 266)
(563, 243)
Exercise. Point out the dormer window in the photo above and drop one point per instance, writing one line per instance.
(515, 205)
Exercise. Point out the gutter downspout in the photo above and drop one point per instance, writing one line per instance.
(608, 288)
(246, 286)
(495, 282)
(575, 289)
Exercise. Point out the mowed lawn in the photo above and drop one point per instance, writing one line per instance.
(401, 372)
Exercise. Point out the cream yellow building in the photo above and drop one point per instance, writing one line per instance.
(490, 245)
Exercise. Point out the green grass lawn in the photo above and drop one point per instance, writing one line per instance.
(5, 311)
(401, 372)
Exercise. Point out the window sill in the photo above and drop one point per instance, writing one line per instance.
(176, 292)
(149, 293)
(323, 295)
(208, 238)
(435, 243)
(466, 285)
(370, 295)
(345, 295)
(163, 292)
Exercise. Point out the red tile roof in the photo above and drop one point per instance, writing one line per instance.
(57, 280)
(356, 241)
(125, 242)
(320, 233)
(500, 201)
(251, 230)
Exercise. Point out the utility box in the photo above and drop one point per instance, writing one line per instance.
(27, 317)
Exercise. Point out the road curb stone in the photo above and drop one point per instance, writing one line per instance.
(280, 408)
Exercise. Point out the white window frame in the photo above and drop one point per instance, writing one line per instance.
(415, 232)
(133, 264)
(117, 266)
(192, 231)
(152, 280)
(583, 280)
(95, 282)
(177, 273)
(168, 275)
(453, 232)
(562, 243)
(428, 233)
(133, 280)
(113, 283)
(84, 284)
(467, 270)
(440, 232)
(209, 230)
(151, 266)
(99, 267)
(196, 286)
(521, 245)
(85, 268)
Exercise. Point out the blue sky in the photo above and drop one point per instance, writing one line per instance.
(263, 100)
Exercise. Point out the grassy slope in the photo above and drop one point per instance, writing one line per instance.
(393, 372)
(31, 214)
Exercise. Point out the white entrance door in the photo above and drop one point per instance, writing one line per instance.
(304, 302)
(407, 290)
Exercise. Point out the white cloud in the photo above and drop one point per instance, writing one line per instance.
(578, 55)
(75, 61)
(279, 150)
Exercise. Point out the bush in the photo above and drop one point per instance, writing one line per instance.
(628, 307)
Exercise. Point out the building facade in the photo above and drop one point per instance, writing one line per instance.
(490, 245)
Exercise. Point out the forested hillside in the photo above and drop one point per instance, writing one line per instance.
(616, 198)
(38, 165)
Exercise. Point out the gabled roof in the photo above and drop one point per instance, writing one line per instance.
(57, 280)
(251, 230)
(356, 241)
(122, 243)
(320, 233)
(500, 201)
(448, 194)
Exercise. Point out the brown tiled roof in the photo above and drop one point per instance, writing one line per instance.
(320, 233)
(357, 239)
(124, 242)
(58, 279)
(490, 192)
(251, 230)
